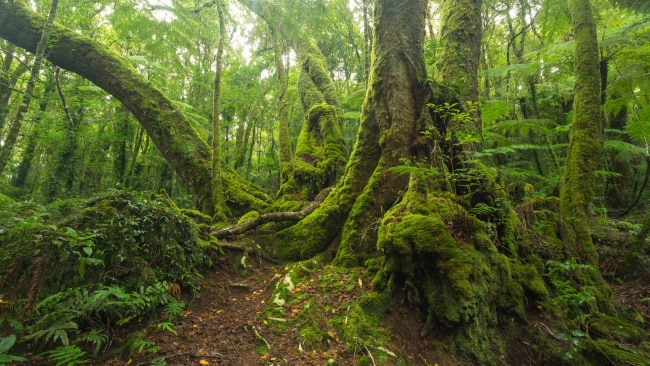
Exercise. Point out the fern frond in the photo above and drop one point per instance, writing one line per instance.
(639, 129)
(493, 110)
(524, 126)
(624, 151)
(68, 355)
(607, 174)
(95, 337)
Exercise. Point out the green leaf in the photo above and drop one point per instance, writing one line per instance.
(7, 343)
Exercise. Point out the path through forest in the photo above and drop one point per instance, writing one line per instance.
(227, 325)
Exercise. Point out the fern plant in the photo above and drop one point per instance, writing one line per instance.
(68, 355)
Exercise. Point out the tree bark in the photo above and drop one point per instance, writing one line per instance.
(585, 140)
(167, 127)
(283, 111)
(460, 36)
(22, 171)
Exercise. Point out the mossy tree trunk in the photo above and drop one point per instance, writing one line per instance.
(432, 252)
(391, 122)
(460, 38)
(167, 127)
(458, 61)
(585, 140)
(320, 152)
(286, 155)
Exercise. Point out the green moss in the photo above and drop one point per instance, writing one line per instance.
(320, 154)
(605, 352)
(251, 215)
(610, 327)
(442, 259)
(532, 281)
(361, 322)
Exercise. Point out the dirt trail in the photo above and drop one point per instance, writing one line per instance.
(223, 326)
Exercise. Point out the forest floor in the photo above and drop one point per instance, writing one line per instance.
(230, 323)
(227, 325)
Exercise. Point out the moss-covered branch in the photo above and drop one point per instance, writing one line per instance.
(292, 217)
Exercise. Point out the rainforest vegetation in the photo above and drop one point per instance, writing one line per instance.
(391, 182)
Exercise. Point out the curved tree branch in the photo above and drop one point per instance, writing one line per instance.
(167, 126)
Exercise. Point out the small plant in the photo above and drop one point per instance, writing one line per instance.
(5, 344)
(66, 355)
(574, 300)
(168, 326)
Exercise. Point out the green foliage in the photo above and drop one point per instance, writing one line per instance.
(5, 344)
(145, 241)
(576, 302)
(106, 308)
(67, 355)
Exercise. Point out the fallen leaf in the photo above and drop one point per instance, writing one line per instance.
(204, 362)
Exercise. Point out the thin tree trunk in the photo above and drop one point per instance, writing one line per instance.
(20, 179)
(367, 39)
(283, 111)
(586, 140)
(585, 144)
(14, 127)
(71, 145)
(8, 80)
(220, 210)
(127, 180)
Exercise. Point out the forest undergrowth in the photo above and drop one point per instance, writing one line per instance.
(125, 279)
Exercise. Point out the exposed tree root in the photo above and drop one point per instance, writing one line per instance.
(271, 217)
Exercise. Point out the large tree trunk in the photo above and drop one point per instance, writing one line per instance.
(585, 141)
(168, 128)
(432, 252)
(390, 125)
